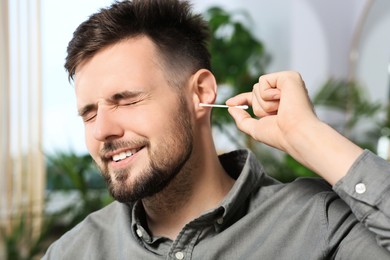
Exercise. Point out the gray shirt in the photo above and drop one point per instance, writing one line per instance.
(260, 218)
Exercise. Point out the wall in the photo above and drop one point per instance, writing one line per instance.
(313, 37)
(374, 52)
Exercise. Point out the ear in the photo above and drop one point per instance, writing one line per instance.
(204, 90)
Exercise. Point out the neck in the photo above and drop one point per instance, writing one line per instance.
(200, 186)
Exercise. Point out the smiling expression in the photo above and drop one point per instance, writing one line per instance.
(137, 127)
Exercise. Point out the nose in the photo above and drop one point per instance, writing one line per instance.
(107, 126)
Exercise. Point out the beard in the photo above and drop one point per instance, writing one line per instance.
(166, 160)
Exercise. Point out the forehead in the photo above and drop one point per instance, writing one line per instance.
(130, 63)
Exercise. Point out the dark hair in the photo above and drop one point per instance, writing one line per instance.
(180, 36)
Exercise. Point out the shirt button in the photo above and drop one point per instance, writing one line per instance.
(139, 232)
(179, 255)
(220, 221)
(360, 188)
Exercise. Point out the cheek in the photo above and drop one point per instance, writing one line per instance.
(144, 121)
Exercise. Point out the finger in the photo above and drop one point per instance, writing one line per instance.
(268, 108)
(267, 99)
(246, 99)
(282, 81)
(270, 94)
(243, 120)
(258, 129)
(240, 99)
(266, 91)
(291, 85)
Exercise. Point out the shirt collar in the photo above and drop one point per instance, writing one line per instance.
(242, 166)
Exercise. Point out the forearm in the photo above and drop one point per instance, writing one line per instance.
(360, 178)
(323, 150)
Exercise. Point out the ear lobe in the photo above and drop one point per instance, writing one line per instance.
(204, 88)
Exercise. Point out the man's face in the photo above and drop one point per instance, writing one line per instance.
(137, 127)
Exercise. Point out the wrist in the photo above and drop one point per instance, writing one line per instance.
(323, 150)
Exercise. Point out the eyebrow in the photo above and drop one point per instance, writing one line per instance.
(114, 99)
(124, 95)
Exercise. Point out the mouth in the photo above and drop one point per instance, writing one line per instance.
(117, 157)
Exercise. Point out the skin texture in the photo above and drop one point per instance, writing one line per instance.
(127, 104)
(287, 121)
(141, 108)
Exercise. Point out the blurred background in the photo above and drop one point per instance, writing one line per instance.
(48, 182)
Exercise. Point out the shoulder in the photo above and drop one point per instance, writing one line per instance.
(318, 198)
(301, 188)
(309, 186)
(314, 192)
(91, 230)
(97, 221)
(304, 195)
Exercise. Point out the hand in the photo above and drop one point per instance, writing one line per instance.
(286, 120)
(281, 103)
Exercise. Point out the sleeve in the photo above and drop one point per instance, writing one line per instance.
(52, 253)
(366, 190)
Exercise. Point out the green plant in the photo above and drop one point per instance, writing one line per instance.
(69, 172)
(16, 241)
(19, 242)
(350, 98)
(238, 58)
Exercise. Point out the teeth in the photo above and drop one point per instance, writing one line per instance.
(116, 157)
(121, 156)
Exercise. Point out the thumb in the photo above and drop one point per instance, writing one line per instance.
(243, 120)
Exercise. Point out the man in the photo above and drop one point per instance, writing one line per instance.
(141, 69)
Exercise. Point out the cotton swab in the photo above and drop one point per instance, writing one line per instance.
(222, 106)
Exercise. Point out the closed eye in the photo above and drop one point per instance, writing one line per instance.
(122, 99)
(88, 115)
(126, 98)
(88, 112)
(123, 103)
(129, 103)
(89, 118)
